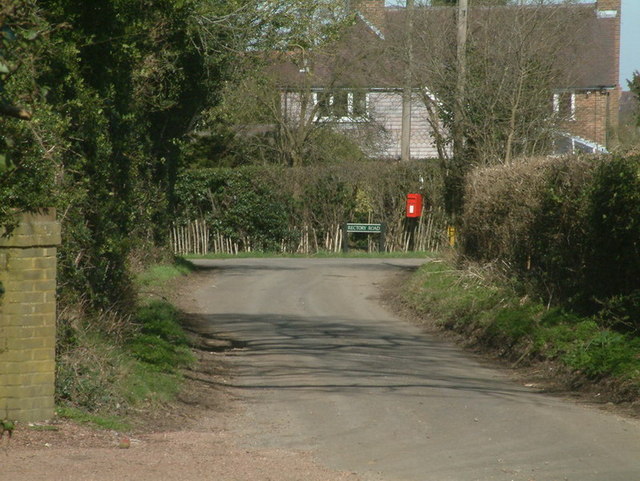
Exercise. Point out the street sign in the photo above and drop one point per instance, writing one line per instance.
(357, 228)
(365, 228)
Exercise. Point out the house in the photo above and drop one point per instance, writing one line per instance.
(359, 84)
(589, 100)
(357, 88)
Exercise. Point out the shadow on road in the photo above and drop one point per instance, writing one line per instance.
(327, 354)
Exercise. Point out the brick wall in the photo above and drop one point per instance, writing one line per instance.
(608, 5)
(28, 318)
(595, 113)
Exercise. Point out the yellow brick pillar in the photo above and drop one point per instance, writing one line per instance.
(28, 318)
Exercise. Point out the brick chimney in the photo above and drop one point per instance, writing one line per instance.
(372, 10)
(612, 10)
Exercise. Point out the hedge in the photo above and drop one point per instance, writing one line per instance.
(568, 226)
(279, 209)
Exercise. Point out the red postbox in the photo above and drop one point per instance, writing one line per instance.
(414, 205)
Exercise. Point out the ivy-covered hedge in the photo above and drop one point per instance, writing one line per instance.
(110, 88)
(569, 226)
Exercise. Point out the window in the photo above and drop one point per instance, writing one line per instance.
(564, 105)
(359, 103)
(323, 101)
(341, 105)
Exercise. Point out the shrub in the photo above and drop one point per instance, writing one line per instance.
(621, 312)
(500, 204)
(239, 203)
(265, 208)
(606, 353)
(557, 231)
(569, 227)
(613, 223)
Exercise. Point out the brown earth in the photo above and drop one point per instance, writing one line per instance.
(189, 440)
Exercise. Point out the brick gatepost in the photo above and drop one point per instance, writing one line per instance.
(28, 318)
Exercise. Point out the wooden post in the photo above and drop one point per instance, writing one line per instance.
(458, 116)
(405, 139)
(383, 232)
(345, 238)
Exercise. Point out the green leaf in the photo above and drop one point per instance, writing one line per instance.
(7, 33)
(30, 34)
(4, 68)
(8, 425)
(3, 162)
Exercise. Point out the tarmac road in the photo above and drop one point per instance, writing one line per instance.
(327, 369)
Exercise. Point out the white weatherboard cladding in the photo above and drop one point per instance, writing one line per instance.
(384, 107)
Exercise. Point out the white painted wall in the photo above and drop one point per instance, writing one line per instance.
(385, 109)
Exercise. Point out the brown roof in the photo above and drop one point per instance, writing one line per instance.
(581, 46)
(593, 60)
(344, 63)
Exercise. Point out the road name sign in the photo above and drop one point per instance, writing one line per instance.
(365, 228)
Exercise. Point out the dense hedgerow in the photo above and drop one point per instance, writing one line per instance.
(274, 206)
(111, 89)
(568, 226)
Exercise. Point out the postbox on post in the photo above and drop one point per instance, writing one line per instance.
(414, 205)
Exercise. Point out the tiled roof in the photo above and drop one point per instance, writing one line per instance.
(594, 60)
(585, 52)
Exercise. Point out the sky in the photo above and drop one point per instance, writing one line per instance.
(629, 41)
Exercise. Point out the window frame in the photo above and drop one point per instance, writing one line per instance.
(558, 107)
(349, 115)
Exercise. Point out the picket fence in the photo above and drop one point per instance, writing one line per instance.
(199, 238)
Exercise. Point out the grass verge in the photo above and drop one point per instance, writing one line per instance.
(159, 274)
(115, 423)
(489, 313)
(112, 365)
